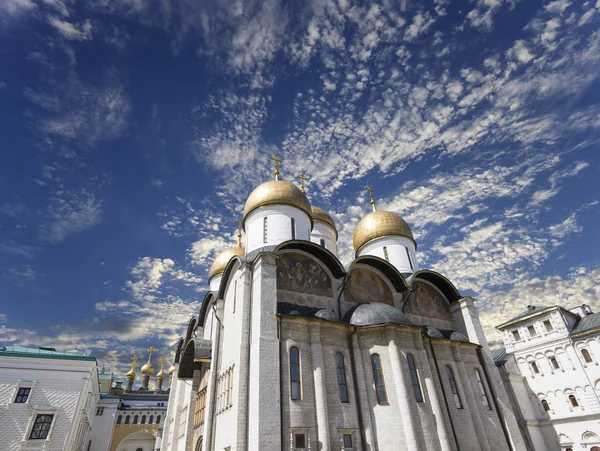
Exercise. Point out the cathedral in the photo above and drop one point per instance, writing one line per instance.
(293, 351)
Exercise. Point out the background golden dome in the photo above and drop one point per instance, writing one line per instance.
(318, 214)
(147, 369)
(130, 374)
(277, 192)
(221, 260)
(379, 224)
(160, 375)
(171, 370)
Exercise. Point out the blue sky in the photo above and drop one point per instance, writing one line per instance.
(132, 131)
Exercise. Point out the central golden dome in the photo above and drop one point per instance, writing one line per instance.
(147, 369)
(277, 192)
(221, 261)
(379, 224)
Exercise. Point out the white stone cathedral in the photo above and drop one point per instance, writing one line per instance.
(293, 351)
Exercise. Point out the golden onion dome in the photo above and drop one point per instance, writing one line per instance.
(319, 214)
(160, 375)
(147, 369)
(277, 192)
(171, 370)
(130, 374)
(221, 261)
(379, 224)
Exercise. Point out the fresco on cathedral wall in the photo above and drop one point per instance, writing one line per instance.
(427, 301)
(297, 272)
(365, 285)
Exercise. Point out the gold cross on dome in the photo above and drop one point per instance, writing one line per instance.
(239, 234)
(370, 190)
(162, 362)
(276, 159)
(134, 360)
(302, 177)
(151, 351)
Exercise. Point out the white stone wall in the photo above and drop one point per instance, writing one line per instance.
(324, 231)
(67, 389)
(103, 425)
(397, 247)
(279, 227)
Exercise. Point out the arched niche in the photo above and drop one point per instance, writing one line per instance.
(302, 280)
(426, 303)
(365, 284)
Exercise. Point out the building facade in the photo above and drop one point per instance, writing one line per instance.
(47, 398)
(293, 351)
(550, 367)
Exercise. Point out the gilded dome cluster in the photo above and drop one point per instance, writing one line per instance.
(277, 192)
(379, 224)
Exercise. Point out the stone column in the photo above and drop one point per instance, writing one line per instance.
(406, 415)
(316, 350)
(363, 402)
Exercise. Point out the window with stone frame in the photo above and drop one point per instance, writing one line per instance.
(516, 335)
(453, 387)
(532, 331)
(295, 383)
(22, 395)
(347, 441)
(554, 363)
(299, 440)
(573, 401)
(548, 326)
(341, 375)
(200, 408)
(379, 379)
(484, 397)
(41, 426)
(414, 378)
(586, 356)
(534, 368)
(545, 405)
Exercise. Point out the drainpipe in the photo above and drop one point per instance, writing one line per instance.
(437, 369)
(491, 387)
(361, 427)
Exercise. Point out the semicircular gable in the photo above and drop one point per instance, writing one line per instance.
(227, 274)
(326, 257)
(365, 284)
(190, 328)
(204, 307)
(428, 305)
(178, 350)
(442, 283)
(385, 267)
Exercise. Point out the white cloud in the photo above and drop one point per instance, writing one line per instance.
(15, 7)
(71, 31)
(565, 228)
(520, 52)
(420, 24)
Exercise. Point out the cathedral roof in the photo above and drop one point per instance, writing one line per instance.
(531, 310)
(277, 192)
(378, 224)
(586, 323)
(374, 313)
(221, 260)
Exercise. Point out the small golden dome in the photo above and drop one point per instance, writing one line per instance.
(221, 261)
(277, 192)
(171, 370)
(160, 375)
(379, 224)
(319, 214)
(147, 369)
(130, 374)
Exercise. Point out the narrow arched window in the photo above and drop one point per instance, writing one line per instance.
(379, 379)
(573, 401)
(119, 419)
(586, 356)
(453, 387)
(322, 242)
(158, 419)
(484, 397)
(151, 419)
(545, 405)
(265, 229)
(414, 378)
(127, 419)
(295, 373)
(135, 419)
(293, 224)
(385, 253)
(341, 374)
(554, 363)
(535, 368)
(143, 419)
(410, 262)
(139, 449)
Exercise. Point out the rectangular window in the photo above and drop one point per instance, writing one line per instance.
(265, 229)
(385, 253)
(379, 379)
(348, 441)
(293, 229)
(41, 427)
(22, 395)
(322, 242)
(341, 374)
(531, 330)
(548, 326)
(484, 397)
(516, 335)
(199, 410)
(414, 378)
(295, 373)
(99, 411)
(453, 387)
(410, 262)
(554, 363)
(299, 441)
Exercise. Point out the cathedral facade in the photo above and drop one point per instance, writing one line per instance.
(293, 351)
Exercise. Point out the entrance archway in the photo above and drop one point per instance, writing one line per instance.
(136, 441)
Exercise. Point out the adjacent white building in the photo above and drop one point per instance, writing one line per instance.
(293, 351)
(47, 398)
(550, 367)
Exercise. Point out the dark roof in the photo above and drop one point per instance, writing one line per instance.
(531, 310)
(45, 353)
(500, 356)
(586, 323)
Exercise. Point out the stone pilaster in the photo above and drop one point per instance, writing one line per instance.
(319, 384)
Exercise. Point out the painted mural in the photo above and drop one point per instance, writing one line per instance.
(427, 301)
(297, 272)
(367, 286)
